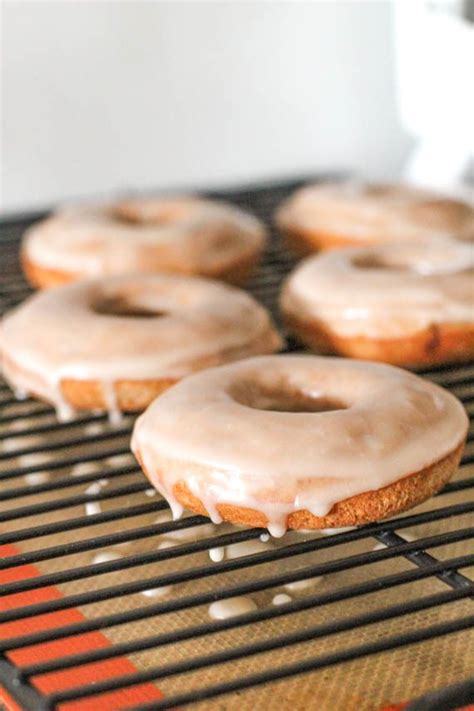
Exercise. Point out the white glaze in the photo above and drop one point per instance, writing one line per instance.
(277, 529)
(9, 445)
(57, 334)
(233, 606)
(120, 460)
(281, 599)
(93, 489)
(111, 402)
(37, 478)
(424, 285)
(298, 585)
(12, 444)
(377, 213)
(33, 459)
(157, 592)
(105, 557)
(19, 425)
(238, 550)
(394, 424)
(95, 428)
(83, 468)
(217, 555)
(92, 508)
(184, 235)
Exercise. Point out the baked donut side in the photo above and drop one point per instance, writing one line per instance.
(43, 278)
(182, 235)
(435, 345)
(328, 216)
(357, 510)
(115, 344)
(71, 395)
(236, 273)
(303, 241)
(130, 395)
(404, 305)
(300, 442)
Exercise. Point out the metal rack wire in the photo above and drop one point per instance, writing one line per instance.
(72, 490)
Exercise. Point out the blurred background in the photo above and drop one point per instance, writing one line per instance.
(107, 97)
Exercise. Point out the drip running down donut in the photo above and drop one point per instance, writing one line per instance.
(116, 343)
(350, 214)
(182, 235)
(402, 304)
(300, 442)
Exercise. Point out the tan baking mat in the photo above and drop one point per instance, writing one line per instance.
(366, 684)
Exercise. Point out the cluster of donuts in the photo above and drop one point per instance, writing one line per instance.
(394, 280)
(141, 318)
(134, 311)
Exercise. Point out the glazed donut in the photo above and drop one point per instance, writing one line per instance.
(116, 343)
(183, 235)
(402, 304)
(298, 441)
(333, 215)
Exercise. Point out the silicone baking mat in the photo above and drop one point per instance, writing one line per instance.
(105, 602)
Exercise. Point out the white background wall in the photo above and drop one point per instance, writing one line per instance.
(106, 96)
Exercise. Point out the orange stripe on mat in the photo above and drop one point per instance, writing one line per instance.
(6, 702)
(85, 674)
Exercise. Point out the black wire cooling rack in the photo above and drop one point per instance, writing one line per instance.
(74, 504)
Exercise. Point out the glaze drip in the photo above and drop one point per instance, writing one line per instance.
(394, 424)
(58, 336)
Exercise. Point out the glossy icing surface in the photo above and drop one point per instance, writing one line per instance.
(231, 607)
(187, 235)
(286, 433)
(385, 291)
(129, 328)
(376, 212)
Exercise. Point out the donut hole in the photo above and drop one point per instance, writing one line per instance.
(120, 306)
(284, 399)
(152, 212)
(385, 263)
(224, 238)
(440, 214)
(381, 190)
